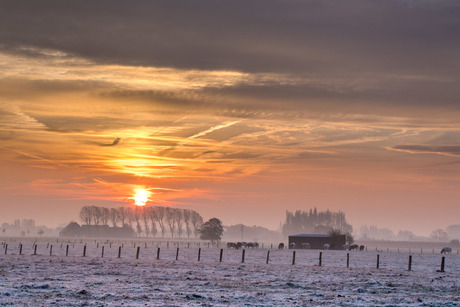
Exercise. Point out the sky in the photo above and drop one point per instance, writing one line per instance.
(237, 109)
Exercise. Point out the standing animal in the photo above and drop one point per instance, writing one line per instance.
(361, 248)
(354, 247)
(231, 245)
(281, 246)
(327, 246)
(446, 250)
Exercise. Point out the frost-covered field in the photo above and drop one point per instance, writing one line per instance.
(43, 280)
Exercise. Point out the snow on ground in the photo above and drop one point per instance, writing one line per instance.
(44, 280)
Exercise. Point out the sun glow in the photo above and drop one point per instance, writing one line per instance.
(141, 197)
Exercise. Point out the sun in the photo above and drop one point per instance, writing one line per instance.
(141, 197)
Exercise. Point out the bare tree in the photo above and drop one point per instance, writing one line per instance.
(170, 220)
(137, 216)
(105, 215)
(86, 215)
(114, 216)
(196, 220)
(187, 216)
(97, 216)
(439, 235)
(145, 218)
(179, 218)
(159, 216)
(151, 212)
(130, 216)
(122, 215)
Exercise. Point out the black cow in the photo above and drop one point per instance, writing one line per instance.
(354, 247)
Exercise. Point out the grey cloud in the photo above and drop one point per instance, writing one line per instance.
(115, 142)
(361, 56)
(268, 35)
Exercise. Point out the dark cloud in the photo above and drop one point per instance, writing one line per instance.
(115, 142)
(269, 35)
(358, 56)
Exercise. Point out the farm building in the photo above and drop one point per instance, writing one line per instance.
(96, 231)
(317, 241)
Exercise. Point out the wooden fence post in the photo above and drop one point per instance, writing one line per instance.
(35, 249)
(443, 262)
(84, 251)
(137, 253)
(67, 251)
(268, 257)
(410, 263)
(293, 257)
(177, 253)
(199, 254)
(242, 255)
(20, 249)
(51, 250)
(378, 261)
(6, 248)
(221, 253)
(158, 254)
(348, 260)
(102, 254)
(119, 252)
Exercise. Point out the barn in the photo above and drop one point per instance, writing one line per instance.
(74, 230)
(317, 241)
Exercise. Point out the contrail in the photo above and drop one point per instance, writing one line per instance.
(176, 121)
(33, 156)
(213, 129)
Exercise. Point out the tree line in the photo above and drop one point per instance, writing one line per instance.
(146, 220)
(315, 222)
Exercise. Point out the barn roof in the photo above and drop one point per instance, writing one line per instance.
(311, 236)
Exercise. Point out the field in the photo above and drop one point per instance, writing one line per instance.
(93, 280)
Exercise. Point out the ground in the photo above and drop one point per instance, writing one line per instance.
(44, 280)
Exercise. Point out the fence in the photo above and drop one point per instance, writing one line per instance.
(197, 251)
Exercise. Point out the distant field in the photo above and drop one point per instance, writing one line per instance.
(43, 280)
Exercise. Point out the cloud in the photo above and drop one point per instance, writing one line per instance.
(446, 150)
(269, 35)
(115, 142)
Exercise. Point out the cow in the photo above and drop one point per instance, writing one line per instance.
(231, 245)
(281, 246)
(291, 245)
(346, 247)
(253, 245)
(305, 246)
(327, 246)
(446, 250)
(353, 247)
(241, 244)
(361, 248)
